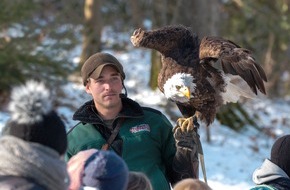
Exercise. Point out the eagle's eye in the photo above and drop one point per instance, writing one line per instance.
(177, 87)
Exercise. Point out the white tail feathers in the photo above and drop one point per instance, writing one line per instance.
(236, 88)
(30, 102)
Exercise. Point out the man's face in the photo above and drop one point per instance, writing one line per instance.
(106, 89)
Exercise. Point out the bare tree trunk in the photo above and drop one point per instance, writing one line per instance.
(203, 16)
(271, 69)
(159, 9)
(159, 19)
(176, 12)
(137, 13)
(206, 17)
(92, 29)
(155, 68)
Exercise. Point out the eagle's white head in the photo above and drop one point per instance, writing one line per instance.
(179, 87)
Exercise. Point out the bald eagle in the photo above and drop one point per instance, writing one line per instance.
(201, 75)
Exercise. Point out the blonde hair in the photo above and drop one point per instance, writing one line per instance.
(138, 181)
(191, 184)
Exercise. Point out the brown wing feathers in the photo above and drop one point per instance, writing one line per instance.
(205, 60)
(234, 60)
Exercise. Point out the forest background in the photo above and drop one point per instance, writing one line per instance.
(37, 38)
(49, 40)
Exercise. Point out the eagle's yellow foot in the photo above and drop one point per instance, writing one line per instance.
(188, 124)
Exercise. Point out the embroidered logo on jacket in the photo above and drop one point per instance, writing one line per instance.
(139, 128)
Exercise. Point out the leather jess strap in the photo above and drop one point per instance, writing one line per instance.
(113, 136)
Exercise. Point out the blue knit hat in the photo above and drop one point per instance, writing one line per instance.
(105, 170)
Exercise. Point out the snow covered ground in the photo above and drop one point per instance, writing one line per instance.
(231, 157)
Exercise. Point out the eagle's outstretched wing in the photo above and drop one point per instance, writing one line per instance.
(234, 60)
(200, 76)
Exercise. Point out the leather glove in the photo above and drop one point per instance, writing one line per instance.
(186, 139)
(185, 162)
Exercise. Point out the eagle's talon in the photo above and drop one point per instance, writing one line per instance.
(188, 124)
(180, 121)
(184, 125)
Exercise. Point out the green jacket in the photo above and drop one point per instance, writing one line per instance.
(145, 137)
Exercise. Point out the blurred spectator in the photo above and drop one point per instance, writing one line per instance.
(191, 184)
(138, 181)
(102, 170)
(33, 141)
(274, 172)
(75, 167)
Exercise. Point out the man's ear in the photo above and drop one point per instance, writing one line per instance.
(87, 88)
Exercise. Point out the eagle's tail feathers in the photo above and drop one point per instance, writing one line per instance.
(235, 89)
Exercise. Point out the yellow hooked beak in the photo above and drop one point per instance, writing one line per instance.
(185, 91)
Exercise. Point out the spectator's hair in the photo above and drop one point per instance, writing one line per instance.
(191, 184)
(138, 181)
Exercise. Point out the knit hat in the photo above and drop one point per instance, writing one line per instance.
(75, 167)
(280, 153)
(33, 119)
(94, 65)
(105, 170)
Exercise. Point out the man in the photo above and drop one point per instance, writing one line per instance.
(142, 136)
(274, 173)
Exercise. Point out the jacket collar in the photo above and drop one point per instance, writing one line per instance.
(87, 113)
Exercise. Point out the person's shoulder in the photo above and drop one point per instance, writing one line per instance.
(78, 128)
(263, 187)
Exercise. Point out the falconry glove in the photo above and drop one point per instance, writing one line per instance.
(186, 158)
(185, 139)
